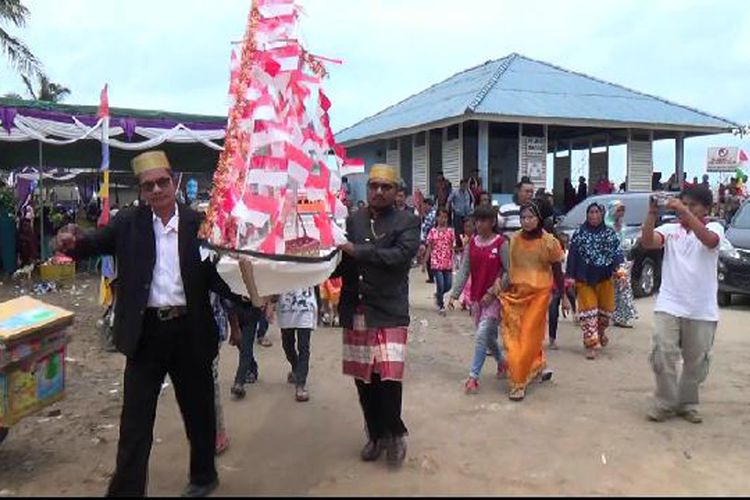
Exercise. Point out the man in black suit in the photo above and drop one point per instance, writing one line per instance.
(163, 323)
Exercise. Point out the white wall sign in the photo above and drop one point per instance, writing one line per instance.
(723, 159)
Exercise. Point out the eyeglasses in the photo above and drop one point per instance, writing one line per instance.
(162, 182)
(375, 186)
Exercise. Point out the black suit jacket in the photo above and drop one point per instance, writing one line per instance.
(130, 238)
(377, 276)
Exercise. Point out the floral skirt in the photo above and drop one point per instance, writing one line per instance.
(625, 313)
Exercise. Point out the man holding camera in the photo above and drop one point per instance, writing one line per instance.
(686, 312)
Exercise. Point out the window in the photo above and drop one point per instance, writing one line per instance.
(420, 139)
(452, 133)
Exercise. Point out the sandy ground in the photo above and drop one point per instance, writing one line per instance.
(584, 433)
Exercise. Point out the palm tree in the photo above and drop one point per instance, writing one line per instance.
(18, 54)
(46, 90)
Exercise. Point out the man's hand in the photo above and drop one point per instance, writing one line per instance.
(67, 237)
(347, 248)
(451, 304)
(677, 205)
(566, 307)
(487, 299)
(235, 333)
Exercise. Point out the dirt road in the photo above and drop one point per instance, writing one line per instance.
(583, 433)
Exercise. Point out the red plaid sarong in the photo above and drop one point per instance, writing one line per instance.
(374, 350)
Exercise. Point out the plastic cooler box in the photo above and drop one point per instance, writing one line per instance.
(57, 272)
(33, 343)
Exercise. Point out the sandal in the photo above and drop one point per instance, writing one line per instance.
(603, 340)
(222, 443)
(301, 394)
(237, 391)
(517, 394)
(591, 354)
(265, 342)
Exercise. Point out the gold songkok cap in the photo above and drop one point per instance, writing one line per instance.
(383, 172)
(150, 160)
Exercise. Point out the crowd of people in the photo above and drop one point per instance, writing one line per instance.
(509, 268)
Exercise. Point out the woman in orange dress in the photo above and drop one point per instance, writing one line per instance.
(535, 263)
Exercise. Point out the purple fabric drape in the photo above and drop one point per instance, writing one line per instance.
(8, 117)
(128, 125)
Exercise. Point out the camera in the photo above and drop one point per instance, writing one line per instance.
(661, 199)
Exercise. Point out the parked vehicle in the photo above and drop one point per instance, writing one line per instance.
(646, 274)
(734, 258)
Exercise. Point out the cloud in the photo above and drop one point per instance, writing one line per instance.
(174, 54)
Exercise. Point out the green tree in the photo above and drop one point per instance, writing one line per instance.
(13, 12)
(46, 90)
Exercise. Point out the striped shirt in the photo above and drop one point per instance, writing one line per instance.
(511, 216)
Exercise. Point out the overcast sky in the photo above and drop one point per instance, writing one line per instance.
(174, 54)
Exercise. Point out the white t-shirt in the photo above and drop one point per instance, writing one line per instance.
(297, 309)
(689, 283)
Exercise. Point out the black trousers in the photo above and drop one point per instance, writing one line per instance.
(299, 357)
(164, 350)
(381, 405)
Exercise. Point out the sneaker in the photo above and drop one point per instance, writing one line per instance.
(371, 451)
(395, 452)
(471, 386)
(502, 370)
(251, 378)
(290, 378)
(553, 345)
(441, 311)
(238, 391)
(659, 415)
(691, 416)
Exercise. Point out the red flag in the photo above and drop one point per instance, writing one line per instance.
(104, 103)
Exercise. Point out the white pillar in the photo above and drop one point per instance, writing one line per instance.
(521, 172)
(679, 156)
(483, 155)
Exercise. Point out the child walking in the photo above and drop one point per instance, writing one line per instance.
(440, 242)
(485, 260)
(468, 234)
(557, 295)
(297, 314)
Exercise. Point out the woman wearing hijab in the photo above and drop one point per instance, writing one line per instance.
(625, 313)
(535, 261)
(593, 260)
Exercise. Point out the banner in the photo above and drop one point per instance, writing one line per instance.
(725, 160)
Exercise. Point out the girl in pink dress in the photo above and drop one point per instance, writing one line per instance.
(440, 244)
(486, 262)
(469, 232)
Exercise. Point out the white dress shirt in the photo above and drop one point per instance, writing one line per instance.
(166, 284)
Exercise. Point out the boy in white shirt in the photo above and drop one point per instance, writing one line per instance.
(686, 313)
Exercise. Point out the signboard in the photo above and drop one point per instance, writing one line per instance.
(534, 160)
(723, 159)
(536, 146)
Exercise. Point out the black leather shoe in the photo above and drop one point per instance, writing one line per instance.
(395, 452)
(372, 451)
(193, 490)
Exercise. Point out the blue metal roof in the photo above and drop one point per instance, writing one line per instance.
(517, 86)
